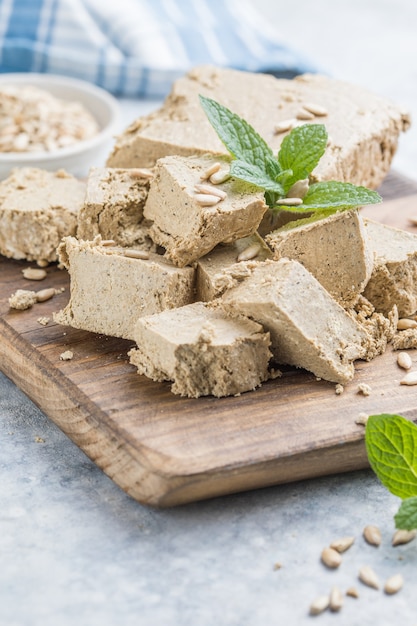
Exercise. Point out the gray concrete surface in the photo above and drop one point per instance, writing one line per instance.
(74, 549)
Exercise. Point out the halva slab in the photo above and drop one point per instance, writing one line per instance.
(363, 127)
(110, 291)
(335, 250)
(113, 206)
(308, 328)
(203, 351)
(37, 209)
(189, 223)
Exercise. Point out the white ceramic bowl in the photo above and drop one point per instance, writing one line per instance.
(78, 158)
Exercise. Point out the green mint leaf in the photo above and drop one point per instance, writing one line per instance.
(242, 141)
(391, 445)
(254, 175)
(406, 518)
(335, 195)
(301, 150)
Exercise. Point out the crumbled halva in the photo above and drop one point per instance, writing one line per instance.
(394, 277)
(227, 264)
(113, 207)
(181, 221)
(110, 291)
(308, 328)
(37, 209)
(22, 299)
(202, 350)
(364, 128)
(335, 250)
(380, 329)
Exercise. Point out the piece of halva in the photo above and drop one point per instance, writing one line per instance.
(335, 250)
(363, 127)
(189, 223)
(308, 328)
(228, 264)
(113, 206)
(202, 350)
(37, 209)
(110, 290)
(394, 277)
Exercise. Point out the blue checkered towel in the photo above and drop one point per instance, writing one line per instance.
(138, 47)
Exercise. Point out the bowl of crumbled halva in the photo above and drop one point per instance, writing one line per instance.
(54, 122)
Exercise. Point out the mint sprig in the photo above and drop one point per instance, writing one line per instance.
(391, 445)
(300, 152)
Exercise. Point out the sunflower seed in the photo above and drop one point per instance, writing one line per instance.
(137, 254)
(289, 202)
(393, 584)
(409, 379)
(211, 170)
(107, 242)
(141, 172)
(336, 599)
(403, 536)
(45, 294)
(343, 544)
(220, 177)
(298, 189)
(319, 605)
(372, 535)
(404, 360)
(205, 199)
(352, 592)
(303, 114)
(31, 273)
(249, 253)
(315, 109)
(404, 323)
(368, 577)
(331, 558)
(283, 126)
(210, 190)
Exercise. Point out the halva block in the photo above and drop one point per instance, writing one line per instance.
(110, 291)
(228, 264)
(394, 277)
(37, 209)
(363, 128)
(202, 351)
(189, 223)
(335, 250)
(113, 206)
(308, 328)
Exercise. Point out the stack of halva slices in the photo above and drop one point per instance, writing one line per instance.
(172, 253)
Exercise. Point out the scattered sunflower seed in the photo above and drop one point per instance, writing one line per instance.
(336, 599)
(404, 360)
(291, 202)
(368, 577)
(298, 189)
(137, 254)
(32, 273)
(210, 190)
(393, 584)
(141, 172)
(314, 108)
(249, 253)
(303, 114)
(319, 605)
(352, 592)
(220, 177)
(205, 199)
(401, 537)
(372, 535)
(409, 379)
(283, 126)
(210, 171)
(45, 294)
(342, 544)
(404, 323)
(331, 558)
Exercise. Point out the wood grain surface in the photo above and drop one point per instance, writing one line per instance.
(165, 450)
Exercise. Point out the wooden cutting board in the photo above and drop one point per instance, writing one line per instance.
(165, 450)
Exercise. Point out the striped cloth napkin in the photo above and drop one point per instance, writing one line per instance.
(136, 48)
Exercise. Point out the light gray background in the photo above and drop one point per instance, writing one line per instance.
(74, 549)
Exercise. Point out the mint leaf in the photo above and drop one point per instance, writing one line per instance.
(255, 175)
(242, 141)
(333, 194)
(391, 444)
(406, 518)
(301, 150)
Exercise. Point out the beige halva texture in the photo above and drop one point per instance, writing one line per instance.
(191, 281)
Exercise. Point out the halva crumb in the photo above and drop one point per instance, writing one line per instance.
(22, 299)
